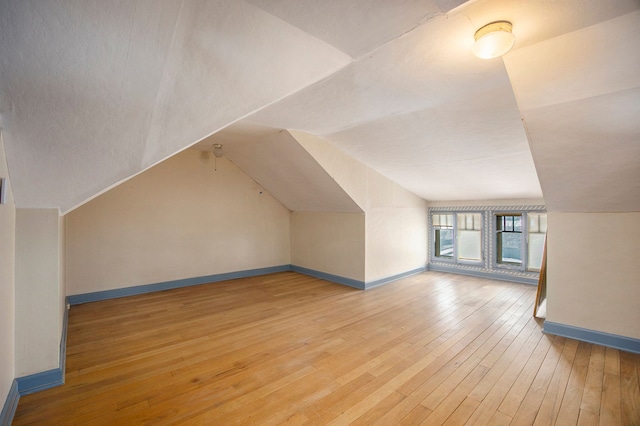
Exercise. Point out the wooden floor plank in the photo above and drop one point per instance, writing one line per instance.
(520, 386)
(570, 406)
(629, 388)
(493, 388)
(453, 400)
(592, 392)
(610, 411)
(530, 406)
(290, 349)
(555, 391)
(447, 362)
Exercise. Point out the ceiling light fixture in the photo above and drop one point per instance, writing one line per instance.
(217, 153)
(493, 40)
(217, 150)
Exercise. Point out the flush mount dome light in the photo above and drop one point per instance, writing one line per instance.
(493, 40)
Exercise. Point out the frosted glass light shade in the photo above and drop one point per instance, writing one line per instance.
(493, 40)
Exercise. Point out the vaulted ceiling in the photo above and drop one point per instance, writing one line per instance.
(94, 92)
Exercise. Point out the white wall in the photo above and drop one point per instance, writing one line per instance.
(39, 293)
(62, 276)
(397, 222)
(179, 219)
(395, 219)
(333, 243)
(593, 271)
(7, 283)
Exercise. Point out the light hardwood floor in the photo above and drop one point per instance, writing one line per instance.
(285, 348)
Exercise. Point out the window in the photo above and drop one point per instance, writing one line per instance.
(458, 236)
(537, 231)
(469, 237)
(509, 239)
(443, 235)
(484, 241)
(512, 248)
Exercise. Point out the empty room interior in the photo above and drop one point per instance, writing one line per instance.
(335, 212)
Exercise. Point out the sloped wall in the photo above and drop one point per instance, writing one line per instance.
(396, 229)
(7, 283)
(593, 273)
(333, 243)
(186, 217)
(39, 290)
(395, 219)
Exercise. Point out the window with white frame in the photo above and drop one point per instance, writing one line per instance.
(509, 239)
(469, 237)
(520, 240)
(457, 236)
(443, 235)
(537, 231)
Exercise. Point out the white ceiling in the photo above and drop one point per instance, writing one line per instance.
(94, 92)
(582, 112)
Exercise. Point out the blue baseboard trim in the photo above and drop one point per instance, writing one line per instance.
(37, 382)
(360, 285)
(77, 299)
(481, 274)
(396, 277)
(10, 405)
(40, 381)
(329, 277)
(50, 378)
(615, 341)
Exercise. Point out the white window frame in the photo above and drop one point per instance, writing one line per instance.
(454, 259)
(524, 243)
(523, 232)
(434, 228)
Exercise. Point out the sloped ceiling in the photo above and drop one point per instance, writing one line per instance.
(94, 92)
(100, 90)
(582, 111)
(275, 160)
(426, 113)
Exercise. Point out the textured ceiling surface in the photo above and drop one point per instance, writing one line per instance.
(582, 111)
(94, 92)
(275, 160)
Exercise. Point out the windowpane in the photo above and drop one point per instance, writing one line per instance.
(517, 223)
(443, 235)
(536, 248)
(510, 248)
(469, 236)
(537, 231)
(508, 224)
(477, 223)
(443, 220)
(509, 239)
(444, 243)
(469, 221)
(470, 245)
